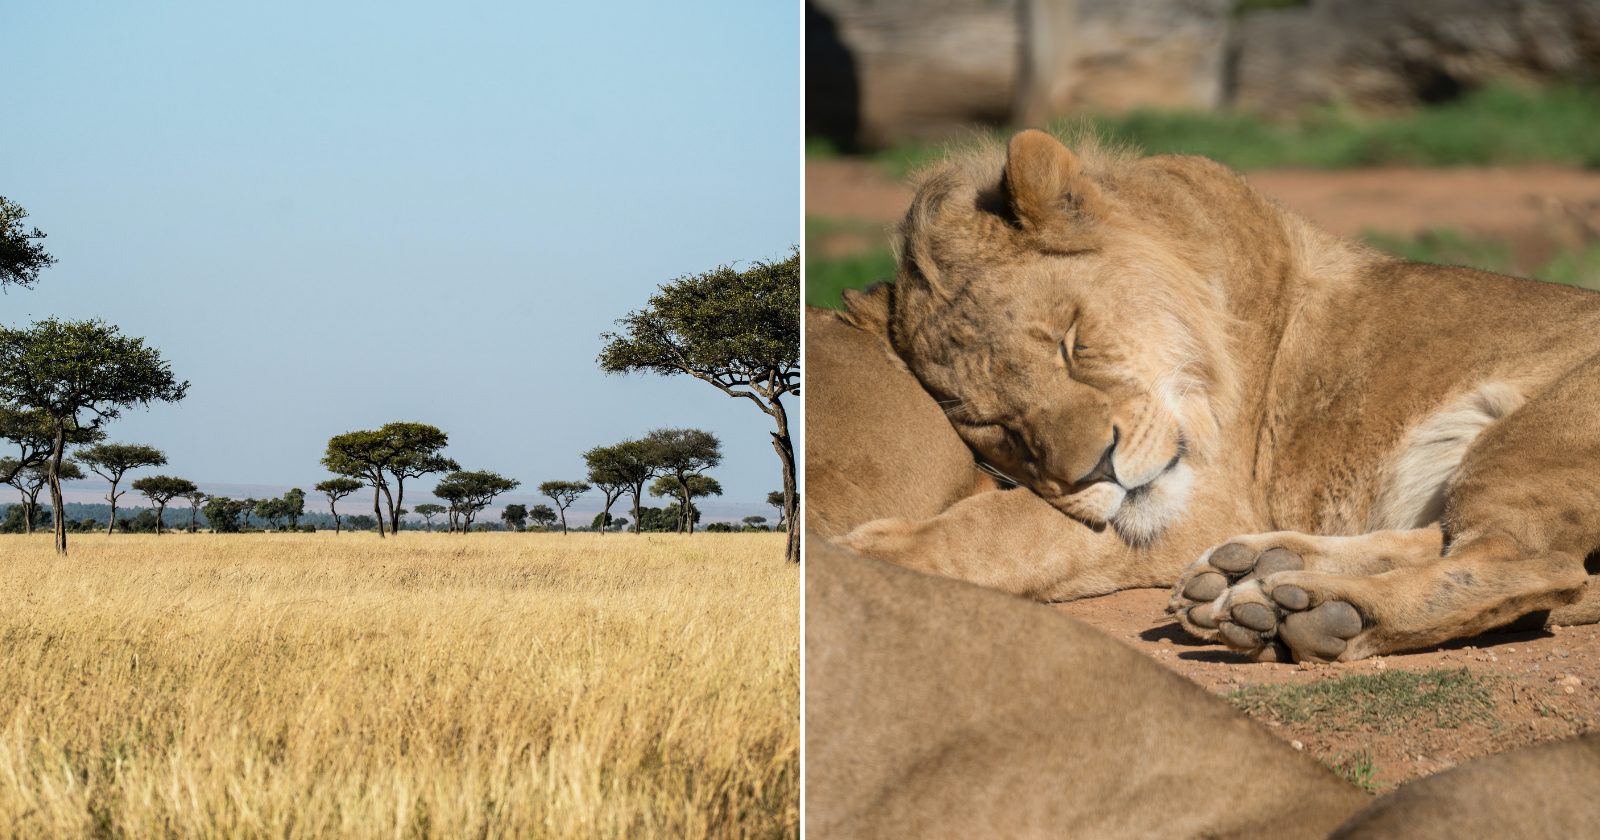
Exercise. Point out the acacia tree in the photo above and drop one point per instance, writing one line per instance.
(632, 462)
(386, 457)
(739, 331)
(681, 453)
(542, 515)
(30, 482)
(111, 461)
(686, 489)
(775, 498)
(160, 489)
(82, 374)
(428, 510)
(515, 517)
(336, 489)
(611, 472)
(22, 255)
(470, 491)
(755, 523)
(563, 493)
(196, 497)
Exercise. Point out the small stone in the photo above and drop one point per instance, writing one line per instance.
(1511, 650)
(1165, 641)
(1297, 745)
(1570, 681)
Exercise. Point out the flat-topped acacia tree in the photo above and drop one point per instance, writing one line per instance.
(336, 489)
(161, 489)
(631, 462)
(739, 331)
(610, 474)
(195, 497)
(563, 493)
(470, 491)
(111, 461)
(428, 510)
(683, 454)
(386, 457)
(81, 374)
(687, 489)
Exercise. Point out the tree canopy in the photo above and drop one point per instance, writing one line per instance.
(470, 491)
(161, 489)
(111, 461)
(386, 457)
(681, 453)
(22, 254)
(82, 374)
(737, 330)
(563, 493)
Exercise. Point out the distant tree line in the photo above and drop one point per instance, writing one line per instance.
(62, 382)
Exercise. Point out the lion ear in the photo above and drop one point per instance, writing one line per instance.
(1051, 196)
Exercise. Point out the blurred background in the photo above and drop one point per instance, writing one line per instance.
(1452, 131)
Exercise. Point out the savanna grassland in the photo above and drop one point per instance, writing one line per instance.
(313, 685)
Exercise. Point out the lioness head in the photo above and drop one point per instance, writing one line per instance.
(1070, 340)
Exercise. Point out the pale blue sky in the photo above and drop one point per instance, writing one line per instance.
(330, 215)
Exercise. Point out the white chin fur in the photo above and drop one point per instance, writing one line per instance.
(1145, 514)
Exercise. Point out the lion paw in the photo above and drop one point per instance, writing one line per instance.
(1272, 619)
(1195, 597)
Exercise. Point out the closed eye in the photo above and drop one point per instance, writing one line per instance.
(1069, 346)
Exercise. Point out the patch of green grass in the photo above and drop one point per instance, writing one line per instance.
(828, 277)
(1384, 702)
(1499, 124)
(1356, 769)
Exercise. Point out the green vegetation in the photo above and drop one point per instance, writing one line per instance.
(1578, 266)
(1356, 769)
(828, 277)
(1384, 702)
(1501, 124)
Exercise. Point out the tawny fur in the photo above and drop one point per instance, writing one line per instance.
(1232, 370)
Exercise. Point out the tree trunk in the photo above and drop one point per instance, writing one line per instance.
(685, 514)
(30, 510)
(791, 495)
(194, 511)
(377, 512)
(333, 507)
(637, 489)
(58, 451)
(397, 503)
(563, 522)
(112, 498)
(161, 510)
(394, 524)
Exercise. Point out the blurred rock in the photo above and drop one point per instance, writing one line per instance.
(1116, 55)
(881, 71)
(1383, 56)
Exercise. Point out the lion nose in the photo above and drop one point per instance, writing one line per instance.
(1104, 470)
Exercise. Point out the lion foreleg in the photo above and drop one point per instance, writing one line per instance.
(1013, 541)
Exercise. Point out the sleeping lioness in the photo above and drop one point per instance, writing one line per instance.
(1329, 453)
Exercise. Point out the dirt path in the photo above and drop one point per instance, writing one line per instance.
(1535, 209)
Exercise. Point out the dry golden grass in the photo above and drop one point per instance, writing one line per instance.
(312, 685)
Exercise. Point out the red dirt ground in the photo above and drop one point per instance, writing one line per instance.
(1548, 683)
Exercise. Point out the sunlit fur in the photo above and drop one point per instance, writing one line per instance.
(981, 318)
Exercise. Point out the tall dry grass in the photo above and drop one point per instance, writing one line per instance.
(308, 685)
